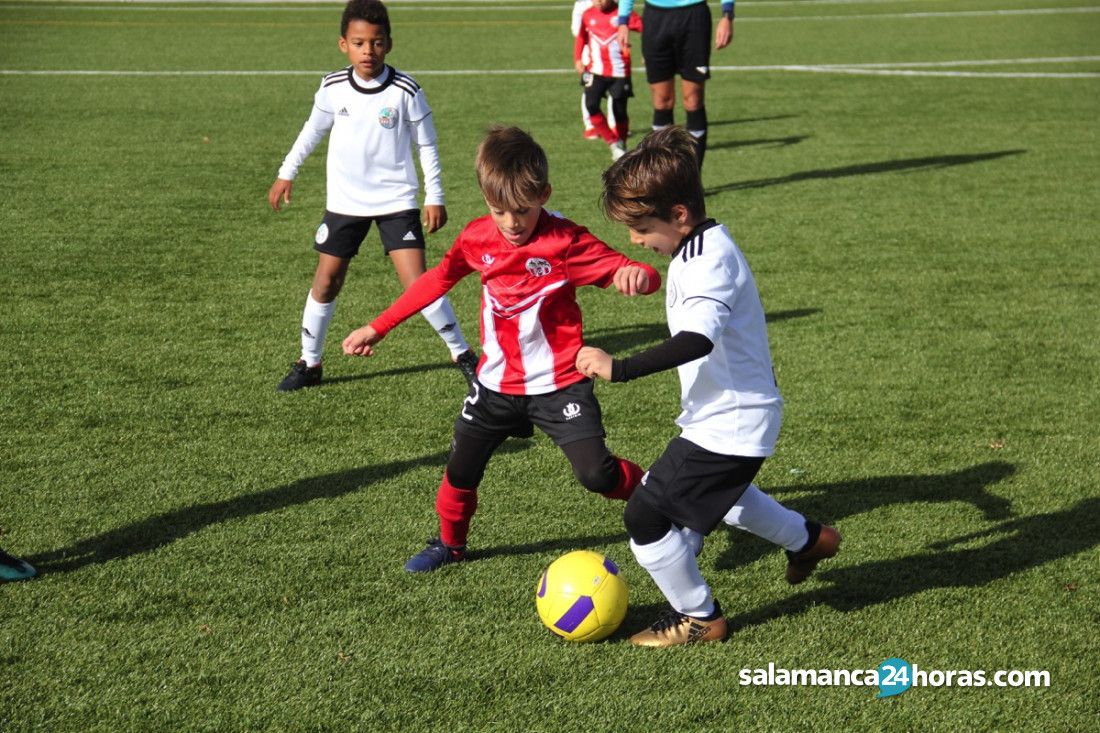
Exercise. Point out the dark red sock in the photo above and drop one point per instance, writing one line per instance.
(630, 475)
(599, 124)
(455, 508)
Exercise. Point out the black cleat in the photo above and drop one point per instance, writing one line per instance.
(300, 376)
(467, 364)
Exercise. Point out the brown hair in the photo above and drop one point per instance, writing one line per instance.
(660, 173)
(512, 169)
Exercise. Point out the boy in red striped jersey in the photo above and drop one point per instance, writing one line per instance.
(531, 262)
(604, 64)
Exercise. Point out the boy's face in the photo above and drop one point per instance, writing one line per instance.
(517, 225)
(366, 46)
(604, 5)
(659, 235)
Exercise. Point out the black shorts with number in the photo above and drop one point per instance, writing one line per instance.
(340, 235)
(694, 487)
(567, 415)
(677, 41)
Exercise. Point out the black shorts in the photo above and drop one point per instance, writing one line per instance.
(595, 86)
(694, 487)
(341, 235)
(677, 41)
(567, 415)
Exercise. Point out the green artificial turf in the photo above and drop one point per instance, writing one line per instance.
(216, 556)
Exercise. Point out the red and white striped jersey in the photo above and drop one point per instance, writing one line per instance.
(531, 326)
(598, 34)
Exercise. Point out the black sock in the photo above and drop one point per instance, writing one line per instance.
(697, 126)
(661, 118)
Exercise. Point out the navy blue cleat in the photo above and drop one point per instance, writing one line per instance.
(12, 568)
(435, 556)
(300, 376)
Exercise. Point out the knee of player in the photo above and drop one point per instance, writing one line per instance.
(598, 478)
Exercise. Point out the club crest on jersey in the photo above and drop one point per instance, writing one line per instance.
(487, 259)
(387, 118)
(322, 234)
(538, 267)
(571, 410)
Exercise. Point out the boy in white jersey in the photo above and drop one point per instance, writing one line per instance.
(731, 406)
(376, 115)
(530, 263)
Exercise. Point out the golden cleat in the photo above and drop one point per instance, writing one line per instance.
(674, 629)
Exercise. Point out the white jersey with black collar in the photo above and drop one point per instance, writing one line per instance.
(731, 404)
(374, 125)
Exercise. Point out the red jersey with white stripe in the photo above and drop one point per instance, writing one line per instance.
(531, 326)
(598, 34)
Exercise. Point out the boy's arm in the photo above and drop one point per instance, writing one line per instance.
(579, 43)
(425, 139)
(313, 131)
(427, 289)
(592, 262)
(680, 349)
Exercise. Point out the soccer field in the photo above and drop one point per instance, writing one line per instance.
(916, 185)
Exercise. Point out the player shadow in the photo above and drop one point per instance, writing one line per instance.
(746, 120)
(157, 531)
(766, 142)
(400, 371)
(616, 339)
(907, 165)
(1018, 544)
(831, 503)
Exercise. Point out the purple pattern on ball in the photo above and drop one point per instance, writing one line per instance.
(611, 567)
(542, 588)
(577, 613)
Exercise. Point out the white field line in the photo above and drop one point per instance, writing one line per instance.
(901, 68)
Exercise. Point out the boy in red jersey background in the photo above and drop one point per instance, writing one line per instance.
(604, 63)
(531, 262)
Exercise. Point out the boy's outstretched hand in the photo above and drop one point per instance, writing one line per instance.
(593, 362)
(361, 341)
(279, 193)
(631, 280)
(435, 217)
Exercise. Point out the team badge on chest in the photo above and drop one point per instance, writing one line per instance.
(387, 118)
(538, 267)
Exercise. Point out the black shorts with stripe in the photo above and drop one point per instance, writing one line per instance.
(677, 41)
(694, 487)
(341, 235)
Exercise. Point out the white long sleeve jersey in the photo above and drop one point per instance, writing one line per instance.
(730, 401)
(374, 125)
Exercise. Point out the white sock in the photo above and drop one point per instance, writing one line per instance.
(671, 563)
(315, 319)
(442, 318)
(765, 517)
(693, 539)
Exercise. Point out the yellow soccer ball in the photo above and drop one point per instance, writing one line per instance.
(581, 596)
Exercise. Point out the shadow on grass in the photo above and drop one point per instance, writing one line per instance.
(1023, 543)
(768, 142)
(745, 120)
(908, 165)
(162, 529)
(832, 502)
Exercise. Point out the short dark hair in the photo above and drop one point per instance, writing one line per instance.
(512, 169)
(660, 173)
(372, 11)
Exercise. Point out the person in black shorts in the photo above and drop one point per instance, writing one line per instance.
(676, 40)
